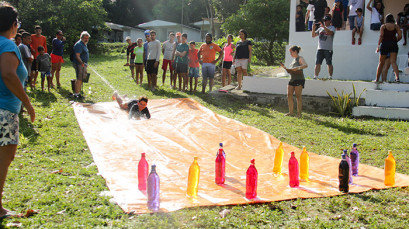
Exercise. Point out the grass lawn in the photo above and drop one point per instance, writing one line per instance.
(71, 197)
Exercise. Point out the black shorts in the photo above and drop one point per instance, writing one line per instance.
(33, 66)
(296, 83)
(150, 67)
(324, 54)
(227, 64)
(181, 68)
(139, 64)
(389, 47)
(376, 26)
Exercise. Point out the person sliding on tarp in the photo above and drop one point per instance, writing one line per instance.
(136, 108)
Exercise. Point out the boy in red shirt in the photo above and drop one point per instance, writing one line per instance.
(36, 40)
(193, 65)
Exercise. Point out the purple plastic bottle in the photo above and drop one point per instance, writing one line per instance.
(294, 171)
(153, 190)
(349, 164)
(354, 159)
(143, 171)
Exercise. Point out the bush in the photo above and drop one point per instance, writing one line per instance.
(104, 48)
(264, 52)
(343, 104)
(269, 53)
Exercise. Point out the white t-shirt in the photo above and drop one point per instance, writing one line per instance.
(375, 16)
(353, 5)
(168, 49)
(154, 50)
(311, 8)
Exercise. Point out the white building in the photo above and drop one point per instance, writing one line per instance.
(351, 62)
(163, 28)
(118, 33)
(204, 26)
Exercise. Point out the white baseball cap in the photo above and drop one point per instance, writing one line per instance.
(127, 38)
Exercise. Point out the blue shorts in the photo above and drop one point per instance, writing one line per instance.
(310, 25)
(44, 74)
(351, 22)
(324, 54)
(194, 72)
(208, 70)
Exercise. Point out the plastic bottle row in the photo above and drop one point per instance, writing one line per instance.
(348, 167)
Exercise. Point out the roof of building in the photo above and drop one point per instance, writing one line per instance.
(206, 22)
(161, 23)
(119, 27)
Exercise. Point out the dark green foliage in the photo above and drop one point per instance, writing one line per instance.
(70, 16)
(269, 53)
(265, 21)
(104, 48)
(129, 12)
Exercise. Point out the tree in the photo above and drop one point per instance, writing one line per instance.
(70, 16)
(171, 10)
(264, 20)
(130, 12)
(225, 8)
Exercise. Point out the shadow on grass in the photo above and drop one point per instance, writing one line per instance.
(160, 91)
(345, 129)
(367, 198)
(26, 129)
(44, 97)
(69, 96)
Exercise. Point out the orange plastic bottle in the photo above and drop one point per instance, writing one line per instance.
(193, 178)
(390, 166)
(304, 165)
(278, 159)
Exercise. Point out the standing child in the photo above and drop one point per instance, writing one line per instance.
(193, 65)
(228, 60)
(338, 15)
(309, 16)
(37, 40)
(44, 67)
(138, 51)
(130, 56)
(359, 26)
(26, 55)
(181, 54)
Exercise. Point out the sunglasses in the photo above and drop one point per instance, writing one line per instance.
(18, 24)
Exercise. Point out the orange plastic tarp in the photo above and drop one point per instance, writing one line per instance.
(181, 129)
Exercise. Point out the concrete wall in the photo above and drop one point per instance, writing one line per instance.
(351, 62)
(316, 87)
(134, 34)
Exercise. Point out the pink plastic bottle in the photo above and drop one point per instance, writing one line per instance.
(294, 171)
(220, 167)
(251, 181)
(143, 171)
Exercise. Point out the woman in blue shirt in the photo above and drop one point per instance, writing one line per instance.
(12, 75)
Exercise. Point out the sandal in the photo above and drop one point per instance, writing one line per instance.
(359, 41)
(353, 41)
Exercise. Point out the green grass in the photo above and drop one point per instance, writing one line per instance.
(72, 199)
